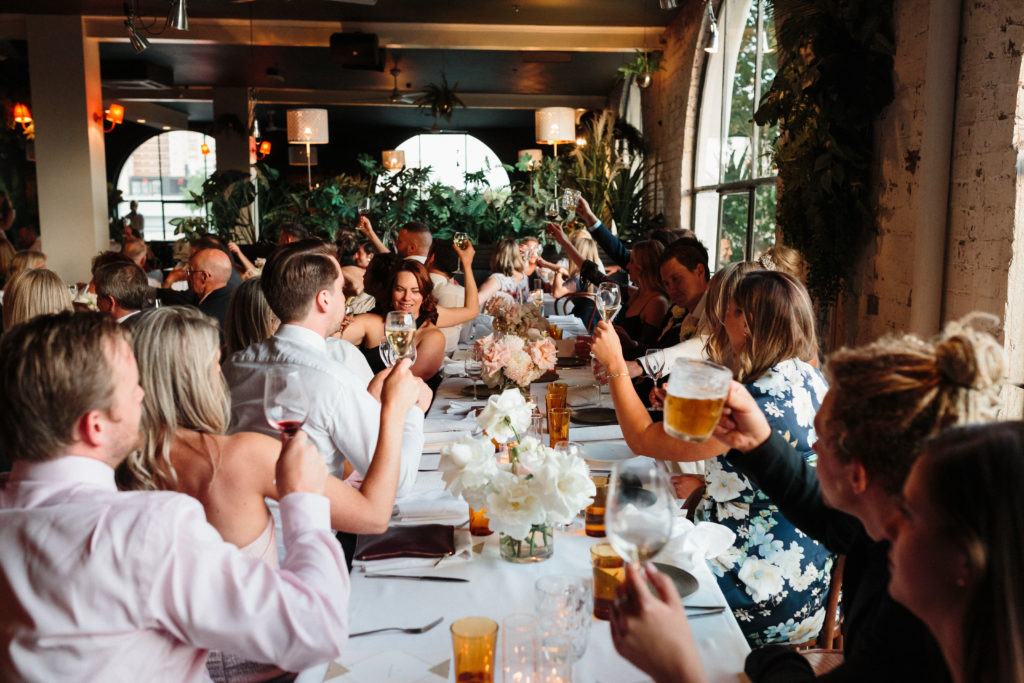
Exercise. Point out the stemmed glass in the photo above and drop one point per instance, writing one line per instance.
(551, 210)
(609, 300)
(461, 240)
(285, 401)
(640, 509)
(365, 205)
(569, 201)
(400, 331)
(475, 371)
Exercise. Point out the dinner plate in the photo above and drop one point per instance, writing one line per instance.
(594, 416)
(686, 583)
(571, 362)
(482, 390)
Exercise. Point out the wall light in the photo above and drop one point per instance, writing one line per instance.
(22, 115)
(394, 159)
(205, 149)
(264, 149)
(308, 127)
(555, 125)
(114, 115)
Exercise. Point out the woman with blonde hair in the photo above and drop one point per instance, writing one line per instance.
(885, 401)
(506, 273)
(185, 412)
(249, 318)
(26, 260)
(775, 579)
(33, 292)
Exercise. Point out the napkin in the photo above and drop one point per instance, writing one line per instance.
(455, 423)
(585, 395)
(463, 553)
(458, 407)
(691, 545)
(454, 368)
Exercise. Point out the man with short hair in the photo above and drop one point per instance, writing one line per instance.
(304, 287)
(121, 289)
(413, 241)
(292, 232)
(441, 263)
(99, 584)
(138, 252)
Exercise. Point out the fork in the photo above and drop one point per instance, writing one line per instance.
(419, 629)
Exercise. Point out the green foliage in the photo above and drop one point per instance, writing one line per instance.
(441, 100)
(836, 77)
(643, 64)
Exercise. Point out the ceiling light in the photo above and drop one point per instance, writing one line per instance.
(165, 127)
(555, 125)
(308, 127)
(138, 41)
(140, 120)
(712, 45)
(180, 20)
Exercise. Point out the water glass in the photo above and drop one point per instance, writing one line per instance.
(554, 663)
(564, 604)
(609, 573)
(519, 648)
(558, 425)
(595, 511)
(640, 509)
(473, 641)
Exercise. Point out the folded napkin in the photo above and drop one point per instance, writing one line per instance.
(584, 395)
(691, 545)
(454, 368)
(455, 423)
(459, 407)
(433, 441)
(463, 553)
(599, 433)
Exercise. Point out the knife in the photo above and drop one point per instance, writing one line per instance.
(416, 578)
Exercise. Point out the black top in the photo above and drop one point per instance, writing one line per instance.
(883, 641)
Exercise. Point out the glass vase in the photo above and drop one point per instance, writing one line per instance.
(538, 545)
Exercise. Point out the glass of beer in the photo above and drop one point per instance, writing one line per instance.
(473, 640)
(696, 394)
(558, 425)
(595, 511)
(479, 524)
(609, 572)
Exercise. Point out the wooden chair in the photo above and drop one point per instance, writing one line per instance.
(831, 636)
(562, 306)
(823, 661)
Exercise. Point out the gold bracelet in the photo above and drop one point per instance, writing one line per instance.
(617, 374)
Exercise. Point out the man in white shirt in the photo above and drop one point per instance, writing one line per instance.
(413, 241)
(304, 287)
(103, 585)
(441, 263)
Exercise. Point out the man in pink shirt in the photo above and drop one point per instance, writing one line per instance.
(102, 585)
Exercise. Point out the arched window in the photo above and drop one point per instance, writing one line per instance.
(734, 180)
(451, 156)
(161, 174)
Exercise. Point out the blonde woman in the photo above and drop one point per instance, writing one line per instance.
(185, 412)
(507, 274)
(568, 281)
(33, 292)
(26, 260)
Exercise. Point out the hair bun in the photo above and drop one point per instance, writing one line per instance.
(968, 357)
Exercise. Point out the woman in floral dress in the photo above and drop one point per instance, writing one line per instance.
(774, 578)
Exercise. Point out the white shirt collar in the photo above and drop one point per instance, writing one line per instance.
(416, 257)
(73, 468)
(302, 335)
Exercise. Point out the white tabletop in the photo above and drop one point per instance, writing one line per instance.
(497, 588)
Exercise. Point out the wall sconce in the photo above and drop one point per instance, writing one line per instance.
(264, 149)
(555, 125)
(23, 116)
(532, 158)
(308, 127)
(394, 159)
(205, 149)
(114, 115)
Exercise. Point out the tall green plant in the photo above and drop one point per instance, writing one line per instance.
(835, 77)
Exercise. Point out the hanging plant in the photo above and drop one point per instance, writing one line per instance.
(835, 78)
(440, 99)
(644, 64)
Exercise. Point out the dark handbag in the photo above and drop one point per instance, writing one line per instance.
(427, 540)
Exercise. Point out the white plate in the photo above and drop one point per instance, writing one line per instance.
(606, 451)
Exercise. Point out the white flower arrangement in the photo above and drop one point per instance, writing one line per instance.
(539, 486)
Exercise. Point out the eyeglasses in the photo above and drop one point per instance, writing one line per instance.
(189, 272)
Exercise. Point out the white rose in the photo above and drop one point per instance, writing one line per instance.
(531, 454)
(509, 405)
(513, 505)
(467, 467)
(565, 486)
(762, 578)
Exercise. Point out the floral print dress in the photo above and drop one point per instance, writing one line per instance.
(774, 578)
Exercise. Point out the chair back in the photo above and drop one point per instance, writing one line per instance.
(565, 304)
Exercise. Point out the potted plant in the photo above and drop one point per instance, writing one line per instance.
(643, 65)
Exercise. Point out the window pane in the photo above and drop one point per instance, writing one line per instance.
(451, 156)
(769, 68)
(732, 242)
(741, 44)
(706, 220)
(764, 219)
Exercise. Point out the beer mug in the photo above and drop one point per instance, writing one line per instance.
(696, 394)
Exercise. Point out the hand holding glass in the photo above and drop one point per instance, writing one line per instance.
(609, 300)
(697, 390)
(460, 240)
(640, 509)
(285, 402)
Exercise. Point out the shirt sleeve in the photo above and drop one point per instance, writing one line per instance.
(207, 593)
(611, 244)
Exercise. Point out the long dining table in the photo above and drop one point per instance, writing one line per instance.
(495, 588)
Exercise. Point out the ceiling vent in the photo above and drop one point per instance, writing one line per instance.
(135, 75)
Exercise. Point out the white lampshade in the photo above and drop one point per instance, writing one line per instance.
(555, 125)
(394, 159)
(533, 157)
(297, 155)
(307, 125)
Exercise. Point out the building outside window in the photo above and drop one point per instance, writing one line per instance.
(734, 180)
(451, 156)
(161, 174)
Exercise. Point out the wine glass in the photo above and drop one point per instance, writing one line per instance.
(609, 300)
(640, 509)
(461, 240)
(285, 401)
(365, 205)
(475, 371)
(569, 200)
(551, 210)
(400, 330)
